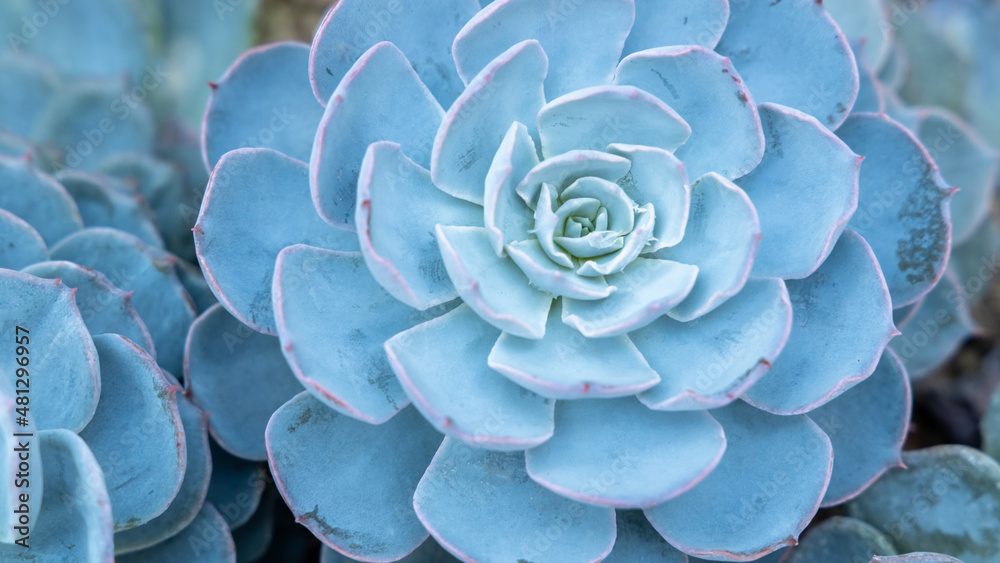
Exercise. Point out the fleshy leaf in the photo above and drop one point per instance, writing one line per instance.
(59, 360)
(333, 319)
(494, 287)
(593, 118)
(976, 261)
(916, 558)
(159, 297)
(828, 308)
(866, 26)
(236, 487)
(841, 539)
(805, 191)
(76, 510)
(595, 27)
(639, 542)
(362, 111)
(458, 393)
(792, 53)
(185, 506)
(365, 512)
(22, 243)
(136, 434)
(206, 540)
(252, 199)
(596, 456)
(657, 177)
(956, 487)
(722, 238)
(423, 31)
(705, 90)
(38, 200)
(238, 375)
(644, 291)
(903, 205)
(101, 205)
(683, 22)
(867, 426)
(254, 538)
(196, 285)
(567, 365)
(475, 502)
(264, 100)
(762, 494)
(397, 210)
(938, 329)
(428, 552)
(709, 362)
(507, 218)
(104, 308)
(508, 90)
(990, 426)
(567, 168)
(21, 106)
(545, 275)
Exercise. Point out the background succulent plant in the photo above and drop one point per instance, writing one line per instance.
(454, 143)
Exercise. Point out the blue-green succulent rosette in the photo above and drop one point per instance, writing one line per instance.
(610, 251)
(898, 48)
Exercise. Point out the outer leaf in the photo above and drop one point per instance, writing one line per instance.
(365, 512)
(60, 359)
(458, 393)
(36, 82)
(841, 539)
(136, 434)
(990, 427)
(866, 26)
(362, 111)
(428, 552)
(958, 489)
(867, 426)
(827, 307)
(760, 497)
(792, 53)
(22, 244)
(805, 191)
(683, 22)
(159, 297)
(595, 27)
(101, 205)
(238, 375)
(264, 100)
(639, 542)
(903, 206)
(475, 502)
(206, 539)
(236, 487)
(254, 198)
(38, 200)
(77, 510)
(254, 538)
(706, 91)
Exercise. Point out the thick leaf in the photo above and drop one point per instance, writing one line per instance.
(547, 276)
(102, 205)
(682, 22)
(264, 100)
(75, 524)
(947, 500)
(842, 323)
(709, 362)
(916, 558)
(240, 376)
(792, 53)
(22, 246)
(990, 427)
(362, 111)
(976, 261)
(365, 511)
(508, 90)
(595, 27)
(159, 297)
(722, 238)
(423, 31)
(31, 85)
(136, 434)
(397, 210)
(563, 170)
(37, 199)
(639, 542)
(254, 198)
(867, 426)
(866, 26)
(254, 538)
(58, 359)
(657, 177)
(205, 540)
(236, 487)
(567, 365)
(482, 506)
(805, 191)
(428, 552)
(596, 456)
(104, 308)
(903, 205)
(196, 285)
(706, 91)
(841, 539)
(458, 393)
(765, 490)
(507, 218)
(333, 319)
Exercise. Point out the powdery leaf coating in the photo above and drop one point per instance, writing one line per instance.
(37, 199)
(22, 246)
(682, 22)
(206, 538)
(365, 513)
(638, 542)
(841, 539)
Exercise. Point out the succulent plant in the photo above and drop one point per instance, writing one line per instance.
(621, 257)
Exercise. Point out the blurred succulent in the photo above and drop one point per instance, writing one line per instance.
(898, 44)
(586, 229)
